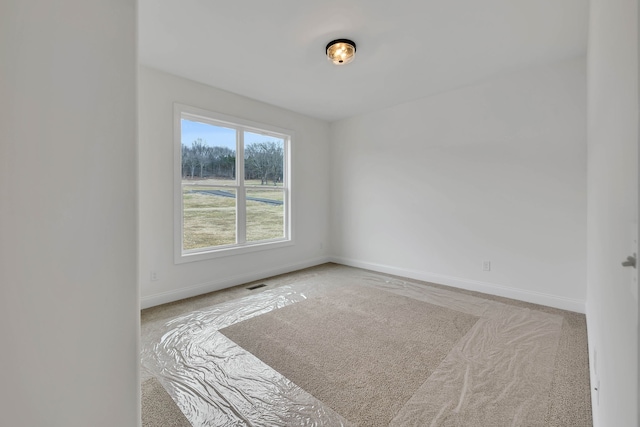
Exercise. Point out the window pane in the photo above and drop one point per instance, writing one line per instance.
(209, 216)
(263, 159)
(265, 214)
(222, 210)
(208, 153)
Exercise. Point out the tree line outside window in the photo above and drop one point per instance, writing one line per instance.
(262, 161)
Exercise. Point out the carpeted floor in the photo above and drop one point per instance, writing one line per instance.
(362, 351)
(395, 377)
(158, 409)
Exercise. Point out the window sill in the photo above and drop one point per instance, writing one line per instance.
(182, 258)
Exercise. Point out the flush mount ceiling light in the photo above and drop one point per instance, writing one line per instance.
(341, 51)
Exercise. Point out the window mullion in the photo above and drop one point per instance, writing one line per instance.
(241, 201)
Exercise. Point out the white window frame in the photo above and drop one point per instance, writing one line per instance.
(240, 125)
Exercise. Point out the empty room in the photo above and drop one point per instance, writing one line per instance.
(354, 213)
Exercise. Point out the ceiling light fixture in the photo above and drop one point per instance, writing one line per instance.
(341, 51)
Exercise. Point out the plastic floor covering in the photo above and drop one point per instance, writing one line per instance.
(499, 373)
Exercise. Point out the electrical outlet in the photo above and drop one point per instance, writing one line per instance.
(154, 276)
(486, 266)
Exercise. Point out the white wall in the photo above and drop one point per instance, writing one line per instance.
(612, 304)
(310, 191)
(494, 171)
(68, 295)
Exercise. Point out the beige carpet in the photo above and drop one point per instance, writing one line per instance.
(554, 355)
(158, 408)
(360, 350)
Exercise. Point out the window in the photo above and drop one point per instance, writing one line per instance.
(232, 185)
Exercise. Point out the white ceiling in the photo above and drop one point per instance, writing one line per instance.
(273, 51)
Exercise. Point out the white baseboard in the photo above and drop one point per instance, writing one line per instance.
(456, 282)
(216, 285)
(470, 285)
